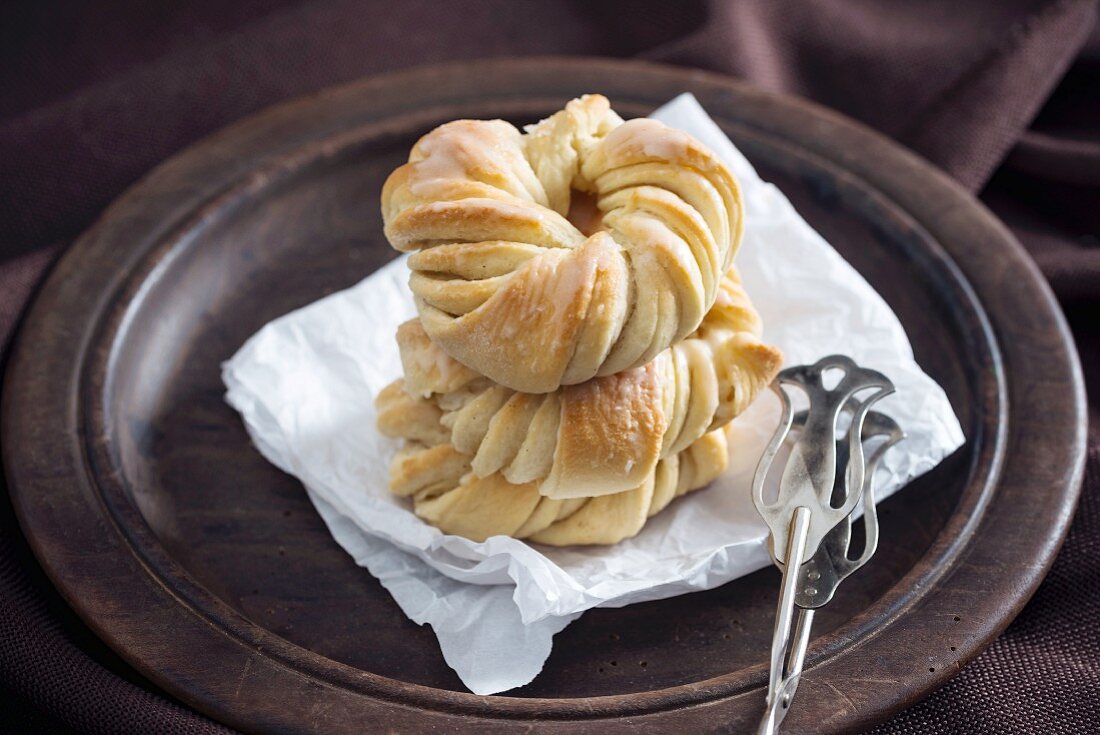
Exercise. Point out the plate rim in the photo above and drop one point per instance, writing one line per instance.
(17, 411)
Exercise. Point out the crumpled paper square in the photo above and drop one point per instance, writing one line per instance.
(305, 383)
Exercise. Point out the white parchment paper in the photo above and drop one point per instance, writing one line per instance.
(304, 385)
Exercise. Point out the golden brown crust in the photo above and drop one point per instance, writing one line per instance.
(480, 507)
(605, 435)
(610, 437)
(514, 278)
(565, 382)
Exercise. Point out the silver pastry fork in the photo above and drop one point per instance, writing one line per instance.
(826, 475)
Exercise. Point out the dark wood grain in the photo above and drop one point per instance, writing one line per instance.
(208, 570)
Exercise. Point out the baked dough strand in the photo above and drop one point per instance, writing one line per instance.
(458, 502)
(582, 340)
(601, 437)
(508, 286)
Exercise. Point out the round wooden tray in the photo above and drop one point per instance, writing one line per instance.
(207, 569)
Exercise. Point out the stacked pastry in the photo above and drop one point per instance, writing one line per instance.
(583, 340)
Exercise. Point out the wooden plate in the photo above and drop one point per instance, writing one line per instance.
(208, 570)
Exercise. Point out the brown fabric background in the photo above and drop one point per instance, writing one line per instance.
(1004, 95)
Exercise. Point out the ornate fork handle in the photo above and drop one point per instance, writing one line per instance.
(809, 475)
(825, 477)
(822, 574)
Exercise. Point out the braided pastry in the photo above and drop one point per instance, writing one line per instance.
(603, 436)
(448, 495)
(582, 340)
(507, 285)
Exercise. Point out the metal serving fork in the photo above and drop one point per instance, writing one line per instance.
(823, 481)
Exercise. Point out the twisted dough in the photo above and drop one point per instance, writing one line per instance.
(602, 437)
(509, 287)
(448, 495)
(567, 377)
